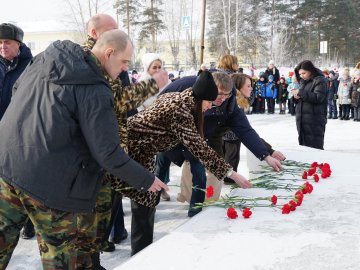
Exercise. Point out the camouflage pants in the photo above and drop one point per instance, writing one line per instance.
(56, 229)
(92, 228)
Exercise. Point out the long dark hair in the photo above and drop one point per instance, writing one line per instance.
(308, 66)
(198, 116)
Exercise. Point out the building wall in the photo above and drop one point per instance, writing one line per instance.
(39, 41)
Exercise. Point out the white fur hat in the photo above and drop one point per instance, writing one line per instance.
(271, 62)
(148, 58)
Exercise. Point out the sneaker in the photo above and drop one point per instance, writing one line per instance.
(122, 237)
(27, 234)
(164, 195)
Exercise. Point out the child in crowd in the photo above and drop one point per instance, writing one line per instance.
(259, 102)
(282, 95)
(291, 102)
(270, 94)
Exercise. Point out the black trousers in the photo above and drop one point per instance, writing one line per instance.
(231, 151)
(142, 226)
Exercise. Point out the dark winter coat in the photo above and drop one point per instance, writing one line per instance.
(282, 93)
(9, 73)
(275, 72)
(217, 121)
(60, 132)
(311, 111)
(332, 87)
(355, 94)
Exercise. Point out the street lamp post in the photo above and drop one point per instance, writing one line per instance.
(202, 32)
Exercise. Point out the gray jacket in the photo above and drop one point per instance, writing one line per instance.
(60, 132)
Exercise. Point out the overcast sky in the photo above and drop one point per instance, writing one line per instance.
(26, 10)
(40, 10)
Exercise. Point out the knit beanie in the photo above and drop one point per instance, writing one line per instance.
(271, 77)
(205, 87)
(10, 31)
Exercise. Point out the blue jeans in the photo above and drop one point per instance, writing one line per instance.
(198, 175)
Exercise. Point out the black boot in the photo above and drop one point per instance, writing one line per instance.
(95, 258)
(28, 231)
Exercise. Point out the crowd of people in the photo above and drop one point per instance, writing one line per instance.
(78, 132)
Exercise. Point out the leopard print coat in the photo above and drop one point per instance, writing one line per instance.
(163, 125)
(126, 99)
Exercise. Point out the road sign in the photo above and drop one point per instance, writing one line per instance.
(323, 47)
(185, 22)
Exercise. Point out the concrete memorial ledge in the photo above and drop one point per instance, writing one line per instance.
(323, 233)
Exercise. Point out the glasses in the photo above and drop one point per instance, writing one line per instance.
(225, 95)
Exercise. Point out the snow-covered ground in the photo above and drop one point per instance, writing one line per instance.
(278, 130)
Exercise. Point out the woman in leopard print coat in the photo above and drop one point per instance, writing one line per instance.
(173, 118)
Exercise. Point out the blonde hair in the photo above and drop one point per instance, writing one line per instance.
(227, 62)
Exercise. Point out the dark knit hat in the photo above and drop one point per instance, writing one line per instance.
(205, 87)
(10, 31)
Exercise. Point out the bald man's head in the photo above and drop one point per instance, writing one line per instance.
(100, 23)
(114, 51)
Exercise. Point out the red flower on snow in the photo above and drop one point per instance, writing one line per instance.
(305, 175)
(274, 199)
(311, 171)
(307, 188)
(299, 196)
(316, 177)
(231, 213)
(286, 209)
(314, 164)
(209, 191)
(246, 212)
(292, 205)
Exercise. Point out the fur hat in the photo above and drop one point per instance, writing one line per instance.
(271, 62)
(205, 87)
(148, 58)
(10, 31)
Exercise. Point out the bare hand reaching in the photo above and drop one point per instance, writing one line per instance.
(240, 180)
(161, 77)
(158, 185)
(278, 155)
(274, 163)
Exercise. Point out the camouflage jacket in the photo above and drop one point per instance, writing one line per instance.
(126, 98)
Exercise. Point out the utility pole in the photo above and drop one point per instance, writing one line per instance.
(202, 32)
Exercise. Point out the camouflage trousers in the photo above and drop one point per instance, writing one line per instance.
(56, 230)
(92, 228)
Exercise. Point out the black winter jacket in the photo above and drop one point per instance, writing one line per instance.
(311, 111)
(60, 132)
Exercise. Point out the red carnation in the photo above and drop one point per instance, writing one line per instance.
(311, 171)
(299, 196)
(274, 199)
(314, 164)
(286, 209)
(246, 213)
(231, 213)
(209, 191)
(316, 177)
(305, 175)
(293, 205)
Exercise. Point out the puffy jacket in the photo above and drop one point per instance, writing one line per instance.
(9, 73)
(311, 111)
(60, 132)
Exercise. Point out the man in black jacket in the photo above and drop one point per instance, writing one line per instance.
(57, 137)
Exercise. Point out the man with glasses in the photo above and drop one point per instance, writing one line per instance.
(224, 115)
